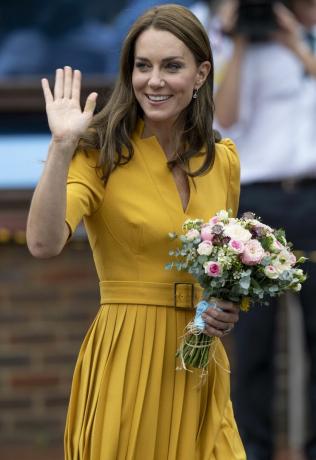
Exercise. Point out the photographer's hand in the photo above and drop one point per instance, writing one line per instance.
(227, 14)
(290, 35)
(227, 97)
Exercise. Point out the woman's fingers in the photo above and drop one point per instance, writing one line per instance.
(212, 331)
(67, 82)
(59, 84)
(90, 103)
(76, 85)
(224, 315)
(46, 90)
(221, 319)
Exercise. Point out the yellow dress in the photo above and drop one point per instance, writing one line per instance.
(128, 401)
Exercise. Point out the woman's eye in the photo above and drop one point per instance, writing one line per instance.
(173, 66)
(141, 65)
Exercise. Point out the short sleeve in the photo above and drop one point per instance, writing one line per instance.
(85, 188)
(233, 191)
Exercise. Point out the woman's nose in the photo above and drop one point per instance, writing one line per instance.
(155, 80)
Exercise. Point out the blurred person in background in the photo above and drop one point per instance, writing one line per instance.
(266, 102)
(217, 16)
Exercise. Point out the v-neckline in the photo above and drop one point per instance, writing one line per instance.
(153, 139)
(184, 209)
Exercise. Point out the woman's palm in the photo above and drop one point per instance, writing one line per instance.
(65, 117)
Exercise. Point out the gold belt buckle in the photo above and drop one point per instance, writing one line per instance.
(175, 296)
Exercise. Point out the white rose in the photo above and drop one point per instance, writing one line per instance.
(222, 215)
(283, 261)
(237, 232)
(297, 287)
(205, 248)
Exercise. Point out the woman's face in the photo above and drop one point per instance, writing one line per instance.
(164, 75)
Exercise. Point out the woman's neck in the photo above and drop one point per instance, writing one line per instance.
(164, 134)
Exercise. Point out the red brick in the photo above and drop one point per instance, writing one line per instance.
(57, 401)
(9, 404)
(34, 380)
(33, 338)
(14, 360)
(60, 358)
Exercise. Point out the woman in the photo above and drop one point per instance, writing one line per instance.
(131, 178)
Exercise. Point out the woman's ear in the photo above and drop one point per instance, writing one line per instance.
(202, 73)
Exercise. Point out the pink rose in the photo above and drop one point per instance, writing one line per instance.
(253, 253)
(271, 272)
(276, 246)
(236, 246)
(213, 269)
(206, 233)
(192, 234)
(292, 259)
(214, 220)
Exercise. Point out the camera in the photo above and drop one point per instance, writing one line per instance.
(256, 19)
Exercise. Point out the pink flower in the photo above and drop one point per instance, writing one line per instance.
(214, 220)
(213, 269)
(276, 246)
(271, 272)
(236, 246)
(253, 253)
(292, 259)
(192, 234)
(206, 233)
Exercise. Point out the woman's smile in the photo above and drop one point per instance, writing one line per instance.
(157, 99)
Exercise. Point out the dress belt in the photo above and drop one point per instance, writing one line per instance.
(182, 296)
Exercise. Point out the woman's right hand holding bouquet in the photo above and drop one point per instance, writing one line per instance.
(220, 320)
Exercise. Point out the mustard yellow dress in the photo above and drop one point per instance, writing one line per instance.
(128, 401)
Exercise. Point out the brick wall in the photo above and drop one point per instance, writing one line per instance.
(46, 307)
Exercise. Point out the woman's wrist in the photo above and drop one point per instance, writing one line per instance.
(62, 150)
(69, 141)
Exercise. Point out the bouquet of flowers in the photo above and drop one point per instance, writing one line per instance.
(237, 259)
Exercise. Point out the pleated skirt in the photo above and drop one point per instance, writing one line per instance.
(128, 401)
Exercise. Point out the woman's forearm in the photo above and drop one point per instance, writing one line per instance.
(307, 58)
(227, 98)
(47, 231)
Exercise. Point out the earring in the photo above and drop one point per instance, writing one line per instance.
(195, 93)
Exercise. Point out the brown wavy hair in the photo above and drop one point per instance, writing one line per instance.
(111, 129)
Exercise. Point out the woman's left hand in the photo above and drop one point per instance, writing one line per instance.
(220, 321)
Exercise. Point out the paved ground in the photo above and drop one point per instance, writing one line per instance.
(30, 453)
(35, 453)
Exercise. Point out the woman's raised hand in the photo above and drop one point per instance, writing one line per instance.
(66, 120)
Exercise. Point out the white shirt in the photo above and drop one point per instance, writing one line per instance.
(276, 132)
